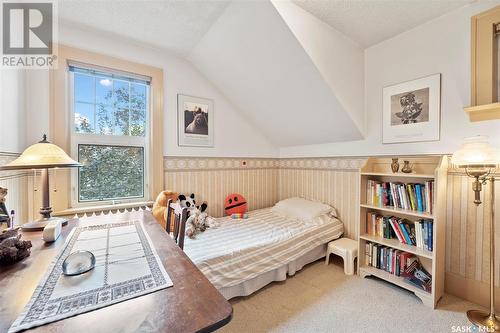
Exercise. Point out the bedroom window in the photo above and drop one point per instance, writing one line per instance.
(109, 118)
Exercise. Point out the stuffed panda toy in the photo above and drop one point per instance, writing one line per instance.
(188, 202)
(198, 220)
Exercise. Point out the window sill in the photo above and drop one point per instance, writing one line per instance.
(95, 209)
(483, 112)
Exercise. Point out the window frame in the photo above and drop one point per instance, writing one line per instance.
(77, 139)
(59, 132)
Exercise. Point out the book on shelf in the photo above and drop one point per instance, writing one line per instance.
(411, 196)
(418, 233)
(398, 263)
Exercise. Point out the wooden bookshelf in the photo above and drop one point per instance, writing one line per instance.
(425, 168)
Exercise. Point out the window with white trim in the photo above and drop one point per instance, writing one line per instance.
(109, 125)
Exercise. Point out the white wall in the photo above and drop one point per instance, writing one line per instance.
(339, 59)
(12, 110)
(37, 101)
(234, 136)
(439, 46)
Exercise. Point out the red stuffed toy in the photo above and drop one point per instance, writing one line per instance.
(235, 204)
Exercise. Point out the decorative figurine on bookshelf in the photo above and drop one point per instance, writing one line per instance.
(407, 167)
(395, 165)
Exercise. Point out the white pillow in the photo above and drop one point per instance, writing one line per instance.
(302, 209)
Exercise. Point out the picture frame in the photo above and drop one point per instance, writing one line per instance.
(412, 111)
(195, 117)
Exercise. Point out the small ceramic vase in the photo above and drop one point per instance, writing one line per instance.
(407, 167)
(395, 165)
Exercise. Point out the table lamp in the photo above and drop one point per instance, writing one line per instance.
(480, 159)
(44, 156)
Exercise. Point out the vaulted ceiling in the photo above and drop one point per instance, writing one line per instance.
(252, 55)
(174, 25)
(369, 22)
(295, 70)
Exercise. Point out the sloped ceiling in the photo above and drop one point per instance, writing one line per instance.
(287, 74)
(254, 58)
(369, 22)
(339, 60)
(173, 25)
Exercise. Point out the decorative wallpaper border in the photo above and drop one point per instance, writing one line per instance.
(187, 163)
(217, 163)
(323, 163)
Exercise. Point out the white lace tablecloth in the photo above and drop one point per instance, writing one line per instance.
(127, 266)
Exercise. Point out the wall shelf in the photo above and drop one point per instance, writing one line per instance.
(483, 112)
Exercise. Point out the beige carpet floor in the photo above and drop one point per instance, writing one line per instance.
(321, 298)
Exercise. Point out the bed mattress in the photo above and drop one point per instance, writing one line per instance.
(241, 250)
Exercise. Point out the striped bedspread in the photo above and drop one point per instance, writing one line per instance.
(239, 250)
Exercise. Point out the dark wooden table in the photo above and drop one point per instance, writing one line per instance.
(191, 305)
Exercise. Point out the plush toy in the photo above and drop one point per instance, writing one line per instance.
(188, 202)
(235, 204)
(198, 220)
(160, 206)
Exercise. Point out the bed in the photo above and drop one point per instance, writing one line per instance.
(241, 256)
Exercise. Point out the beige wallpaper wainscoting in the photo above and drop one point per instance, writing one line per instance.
(467, 240)
(334, 181)
(16, 182)
(212, 179)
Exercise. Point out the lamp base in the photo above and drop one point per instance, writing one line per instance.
(484, 319)
(40, 224)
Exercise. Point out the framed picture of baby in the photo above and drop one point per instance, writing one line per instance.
(195, 121)
(412, 110)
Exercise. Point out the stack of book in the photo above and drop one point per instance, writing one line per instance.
(399, 263)
(388, 259)
(417, 197)
(419, 233)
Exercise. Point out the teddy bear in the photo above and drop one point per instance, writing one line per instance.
(160, 206)
(198, 220)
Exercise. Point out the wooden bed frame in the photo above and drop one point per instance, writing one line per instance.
(176, 227)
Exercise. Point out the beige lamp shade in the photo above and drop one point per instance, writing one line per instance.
(42, 155)
(476, 152)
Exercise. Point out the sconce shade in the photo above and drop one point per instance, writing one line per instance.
(41, 155)
(476, 152)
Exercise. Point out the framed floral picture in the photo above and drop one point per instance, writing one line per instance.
(412, 110)
(195, 121)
